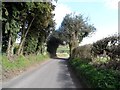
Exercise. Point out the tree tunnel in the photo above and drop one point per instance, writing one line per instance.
(52, 45)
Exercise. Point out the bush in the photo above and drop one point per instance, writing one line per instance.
(96, 78)
(99, 63)
(104, 53)
(82, 52)
(109, 46)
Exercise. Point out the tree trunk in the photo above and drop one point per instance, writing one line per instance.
(41, 49)
(38, 45)
(70, 50)
(73, 42)
(9, 45)
(24, 37)
(12, 48)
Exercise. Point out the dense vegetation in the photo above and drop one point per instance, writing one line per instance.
(33, 25)
(96, 77)
(52, 45)
(99, 63)
(25, 29)
(31, 22)
(72, 31)
(74, 28)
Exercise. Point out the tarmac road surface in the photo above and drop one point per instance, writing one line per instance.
(52, 74)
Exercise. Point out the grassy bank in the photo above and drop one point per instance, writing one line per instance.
(21, 62)
(18, 64)
(96, 78)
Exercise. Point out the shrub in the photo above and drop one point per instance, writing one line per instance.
(109, 46)
(82, 52)
(96, 78)
(104, 53)
(99, 63)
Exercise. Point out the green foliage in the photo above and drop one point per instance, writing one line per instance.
(30, 21)
(39, 30)
(108, 46)
(82, 52)
(74, 28)
(98, 63)
(104, 53)
(76, 24)
(30, 45)
(107, 52)
(52, 45)
(10, 25)
(8, 65)
(21, 62)
(96, 78)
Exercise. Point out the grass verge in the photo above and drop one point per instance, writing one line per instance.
(96, 78)
(19, 64)
(21, 61)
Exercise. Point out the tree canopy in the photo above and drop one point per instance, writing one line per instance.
(31, 22)
(74, 28)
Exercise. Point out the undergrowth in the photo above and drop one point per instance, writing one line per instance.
(96, 77)
(21, 62)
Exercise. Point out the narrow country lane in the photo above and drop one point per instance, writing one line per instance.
(53, 74)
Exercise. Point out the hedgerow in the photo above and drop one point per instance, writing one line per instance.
(99, 63)
(96, 78)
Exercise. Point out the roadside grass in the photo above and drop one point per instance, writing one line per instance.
(21, 62)
(96, 78)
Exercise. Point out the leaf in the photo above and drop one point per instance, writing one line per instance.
(4, 19)
(7, 27)
(6, 12)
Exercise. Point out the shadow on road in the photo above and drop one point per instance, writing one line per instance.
(65, 74)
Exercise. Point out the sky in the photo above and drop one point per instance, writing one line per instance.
(102, 13)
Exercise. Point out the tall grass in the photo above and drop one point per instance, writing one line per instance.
(21, 62)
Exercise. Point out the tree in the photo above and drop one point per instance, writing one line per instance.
(31, 21)
(52, 45)
(10, 26)
(39, 30)
(75, 28)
